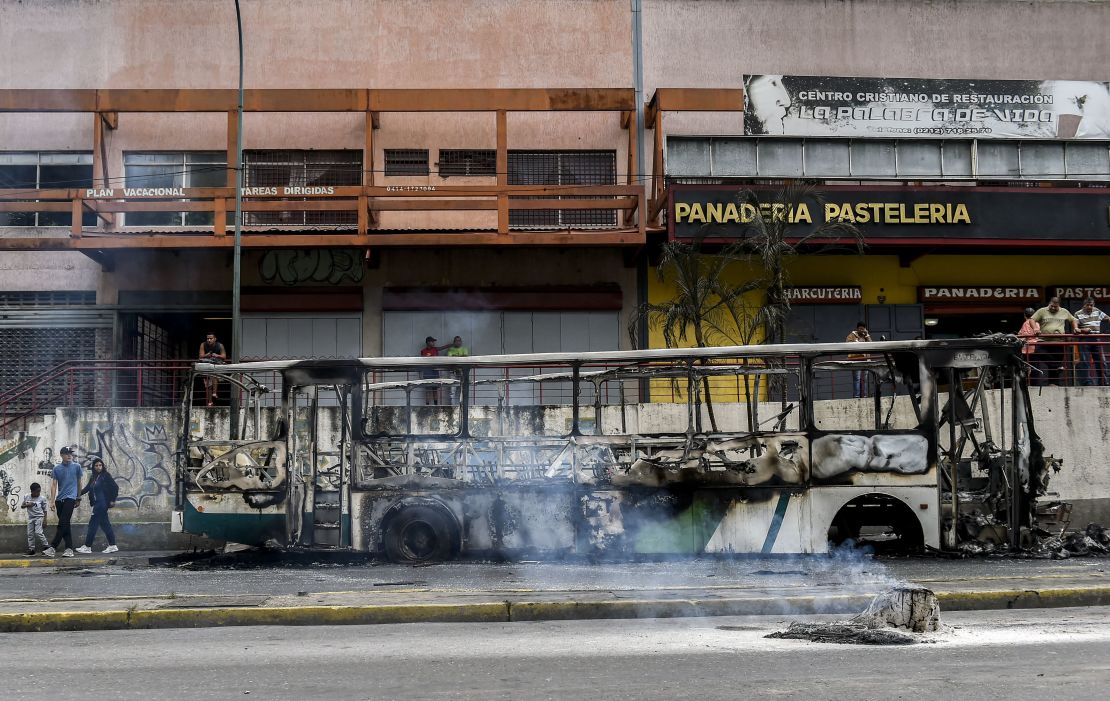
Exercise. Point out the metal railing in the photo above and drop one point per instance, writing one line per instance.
(94, 383)
(1069, 360)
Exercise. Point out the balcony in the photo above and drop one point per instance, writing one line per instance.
(378, 210)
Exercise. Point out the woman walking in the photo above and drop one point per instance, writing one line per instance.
(102, 491)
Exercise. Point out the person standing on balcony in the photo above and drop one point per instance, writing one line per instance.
(65, 490)
(1053, 320)
(457, 350)
(431, 350)
(860, 335)
(212, 351)
(1092, 362)
(102, 491)
(1029, 332)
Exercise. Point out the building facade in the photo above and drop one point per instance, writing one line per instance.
(506, 171)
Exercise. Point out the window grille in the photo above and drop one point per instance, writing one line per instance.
(30, 352)
(562, 168)
(302, 169)
(406, 161)
(887, 159)
(33, 170)
(46, 298)
(467, 162)
(174, 169)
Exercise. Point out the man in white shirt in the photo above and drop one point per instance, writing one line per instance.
(1092, 361)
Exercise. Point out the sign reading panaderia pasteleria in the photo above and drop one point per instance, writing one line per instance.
(980, 293)
(735, 211)
(798, 105)
(1099, 293)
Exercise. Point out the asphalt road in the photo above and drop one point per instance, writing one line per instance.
(293, 577)
(1037, 654)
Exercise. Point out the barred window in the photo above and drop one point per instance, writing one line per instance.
(33, 170)
(301, 169)
(467, 162)
(46, 298)
(562, 168)
(406, 161)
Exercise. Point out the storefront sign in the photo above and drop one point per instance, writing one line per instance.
(796, 105)
(979, 295)
(1080, 292)
(824, 295)
(110, 193)
(885, 212)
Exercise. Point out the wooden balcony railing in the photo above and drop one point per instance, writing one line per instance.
(366, 201)
(634, 210)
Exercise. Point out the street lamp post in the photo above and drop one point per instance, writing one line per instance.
(236, 321)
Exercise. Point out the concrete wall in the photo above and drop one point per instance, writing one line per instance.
(496, 43)
(137, 446)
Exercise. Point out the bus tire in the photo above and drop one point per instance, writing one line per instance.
(420, 533)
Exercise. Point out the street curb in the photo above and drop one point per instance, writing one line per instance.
(522, 611)
(57, 562)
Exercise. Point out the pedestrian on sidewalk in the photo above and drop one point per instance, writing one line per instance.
(102, 490)
(65, 490)
(36, 506)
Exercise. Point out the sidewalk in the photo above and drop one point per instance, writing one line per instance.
(139, 557)
(410, 604)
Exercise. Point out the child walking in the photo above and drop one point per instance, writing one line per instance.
(35, 503)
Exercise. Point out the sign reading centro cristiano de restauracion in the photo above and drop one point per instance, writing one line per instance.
(729, 212)
(799, 105)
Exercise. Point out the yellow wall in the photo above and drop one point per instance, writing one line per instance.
(881, 275)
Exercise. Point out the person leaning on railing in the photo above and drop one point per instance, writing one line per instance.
(1092, 361)
(1029, 332)
(212, 351)
(859, 335)
(1053, 321)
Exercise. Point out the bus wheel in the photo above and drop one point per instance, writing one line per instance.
(420, 534)
(878, 521)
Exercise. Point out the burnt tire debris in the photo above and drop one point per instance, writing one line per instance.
(890, 619)
(1092, 541)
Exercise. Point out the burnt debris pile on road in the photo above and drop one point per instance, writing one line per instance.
(1092, 540)
(888, 620)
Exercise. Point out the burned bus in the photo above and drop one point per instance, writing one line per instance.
(726, 450)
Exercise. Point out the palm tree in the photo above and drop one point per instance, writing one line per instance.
(702, 304)
(772, 240)
(717, 312)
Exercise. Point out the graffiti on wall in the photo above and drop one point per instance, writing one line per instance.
(316, 265)
(9, 451)
(139, 456)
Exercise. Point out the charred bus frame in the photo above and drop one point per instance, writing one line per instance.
(942, 453)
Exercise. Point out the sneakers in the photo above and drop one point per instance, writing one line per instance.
(30, 551)
(68, 552)
(49, 552)
(84, 550)
(111, 549)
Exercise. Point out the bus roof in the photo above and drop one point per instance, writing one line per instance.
(994, 341)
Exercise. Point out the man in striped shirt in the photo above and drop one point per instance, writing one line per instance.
(1092, 361)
